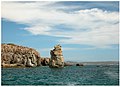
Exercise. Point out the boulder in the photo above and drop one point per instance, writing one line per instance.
(57, 60)
(45, 61)
(15, 55)
(79, 64)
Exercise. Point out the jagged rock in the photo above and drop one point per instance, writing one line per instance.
(14, 55)
(57, 59)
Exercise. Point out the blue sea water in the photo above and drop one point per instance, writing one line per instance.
(70, 75)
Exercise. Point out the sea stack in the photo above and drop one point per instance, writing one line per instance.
(57, 60)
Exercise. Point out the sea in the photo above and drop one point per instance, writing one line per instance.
(67, 76)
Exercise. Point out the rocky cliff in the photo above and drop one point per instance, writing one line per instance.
(13, 55)
(57, 59)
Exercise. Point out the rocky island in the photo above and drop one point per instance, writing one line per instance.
(19, 56)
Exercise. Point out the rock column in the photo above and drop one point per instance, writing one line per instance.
(57, 60)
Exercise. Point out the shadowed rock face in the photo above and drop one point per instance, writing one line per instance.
(14, 55)
(57, 60)
(45, 61)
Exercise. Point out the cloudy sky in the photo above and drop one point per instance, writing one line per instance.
(87, 31)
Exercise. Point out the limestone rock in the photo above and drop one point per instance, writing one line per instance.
(45, 61)
(57, 60)
(14, 55)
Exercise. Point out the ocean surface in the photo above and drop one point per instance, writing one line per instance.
(70, 75)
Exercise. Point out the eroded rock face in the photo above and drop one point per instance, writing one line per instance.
(14, 55)
(57, 60)
(45, 61)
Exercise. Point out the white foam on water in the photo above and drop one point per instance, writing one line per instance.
(71, 83)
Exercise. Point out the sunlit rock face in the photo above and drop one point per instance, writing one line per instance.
(57, 60)
(15, 55)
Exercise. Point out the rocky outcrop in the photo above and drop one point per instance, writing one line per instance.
(45, 61)
(79, 64)
(57, 60)
(14, 55)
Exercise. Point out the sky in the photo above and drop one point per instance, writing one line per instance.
(86, 30)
